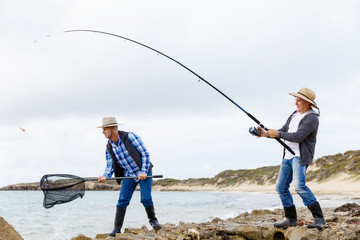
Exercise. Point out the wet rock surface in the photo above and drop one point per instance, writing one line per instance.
(7, 232)
(342, 223)
(352, 208)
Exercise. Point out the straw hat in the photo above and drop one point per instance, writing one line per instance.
(109, 122)
(306, 94)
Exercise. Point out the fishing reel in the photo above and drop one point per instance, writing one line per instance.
(255, 131)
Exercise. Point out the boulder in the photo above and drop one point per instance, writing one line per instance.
(7, 232)
(81, 237)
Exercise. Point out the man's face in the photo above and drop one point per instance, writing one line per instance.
(302, 106)
(107, 132)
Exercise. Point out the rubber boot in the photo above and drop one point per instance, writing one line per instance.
(319, 220)
(150, 211)
(291, 218)
(119, 219)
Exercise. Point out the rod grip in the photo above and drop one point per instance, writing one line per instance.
(277, 139)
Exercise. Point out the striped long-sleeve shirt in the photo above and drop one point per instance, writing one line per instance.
(124, 160)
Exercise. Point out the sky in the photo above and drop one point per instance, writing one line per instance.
(58, 86)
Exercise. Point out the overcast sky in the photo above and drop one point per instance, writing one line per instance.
(58, 86)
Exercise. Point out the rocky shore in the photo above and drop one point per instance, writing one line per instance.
(342, 223)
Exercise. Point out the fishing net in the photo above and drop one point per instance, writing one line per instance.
(61, 188)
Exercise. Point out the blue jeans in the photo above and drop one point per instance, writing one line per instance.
(128, 187)
(291, 169)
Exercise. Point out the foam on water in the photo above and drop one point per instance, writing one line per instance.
(59, 227)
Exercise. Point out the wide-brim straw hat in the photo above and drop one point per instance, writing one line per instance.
(109, 122)
(307, 94)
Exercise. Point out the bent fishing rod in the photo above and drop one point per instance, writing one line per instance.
(201, 78)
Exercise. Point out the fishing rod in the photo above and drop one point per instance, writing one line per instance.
(252, 130)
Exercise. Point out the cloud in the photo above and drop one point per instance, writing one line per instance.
(59, 85)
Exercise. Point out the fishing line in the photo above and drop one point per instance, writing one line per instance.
(199, 77)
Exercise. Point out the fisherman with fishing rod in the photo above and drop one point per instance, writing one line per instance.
(127, 156)
(299, 133)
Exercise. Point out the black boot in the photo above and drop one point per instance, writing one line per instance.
(119, 219)
(319, 220)
(150, 211)
(291, 218)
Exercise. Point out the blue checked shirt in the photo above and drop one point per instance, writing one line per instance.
(124, 160)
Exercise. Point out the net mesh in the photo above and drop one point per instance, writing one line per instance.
(61, 188)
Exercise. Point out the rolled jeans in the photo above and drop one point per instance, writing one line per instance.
(291, 169)
(128, 187)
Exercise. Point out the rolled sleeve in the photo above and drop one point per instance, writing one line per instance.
(109, 170)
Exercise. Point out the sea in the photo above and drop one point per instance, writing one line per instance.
(94, 213)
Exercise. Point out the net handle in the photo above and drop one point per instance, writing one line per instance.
(117, 178)
(84, 180)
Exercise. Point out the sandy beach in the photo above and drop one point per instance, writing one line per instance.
(341, 185)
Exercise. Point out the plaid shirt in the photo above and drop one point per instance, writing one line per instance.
(124, 160)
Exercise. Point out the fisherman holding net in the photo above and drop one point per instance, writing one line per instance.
(127, 156)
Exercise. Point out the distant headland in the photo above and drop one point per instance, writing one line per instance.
(332, 174)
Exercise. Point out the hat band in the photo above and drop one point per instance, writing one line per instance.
(306, 96)
(110, 124)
